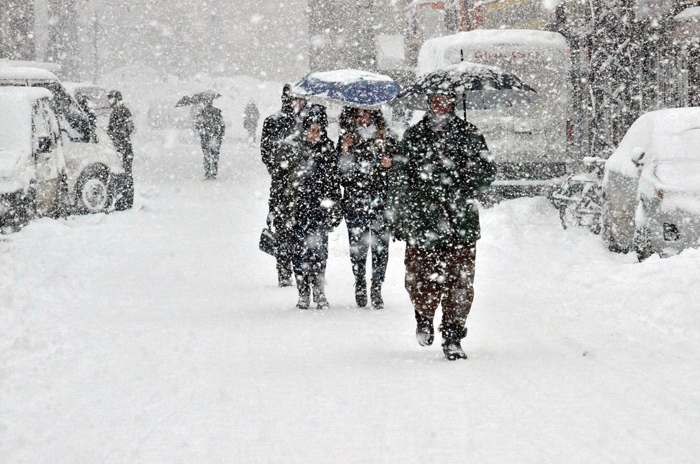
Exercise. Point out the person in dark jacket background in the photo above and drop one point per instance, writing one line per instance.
(277, 128)
(365, 158)
(251, 115)
(316, 204)
(211, 128)
(442, 163)
(119, 129)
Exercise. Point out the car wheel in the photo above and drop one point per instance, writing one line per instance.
(92, 191)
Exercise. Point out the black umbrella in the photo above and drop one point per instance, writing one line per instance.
(201, 97)
(476, 86)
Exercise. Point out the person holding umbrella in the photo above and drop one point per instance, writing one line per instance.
(365, 158)
(442, 163)
(211, 128)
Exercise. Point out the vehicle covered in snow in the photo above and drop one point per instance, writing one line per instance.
(652, 185)
(95, 174)
(527, 140)
(32, 166)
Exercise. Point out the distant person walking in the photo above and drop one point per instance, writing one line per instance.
(251, 116)
(211, 128)
(316, 204)
(442, 163)
(276, 129)
(119, 129)
(365, 158)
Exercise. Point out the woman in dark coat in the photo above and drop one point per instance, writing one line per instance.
(365, 151)
(316, 206)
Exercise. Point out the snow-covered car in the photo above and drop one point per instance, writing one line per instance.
(652, 185)
(32, 166)
(96, 178)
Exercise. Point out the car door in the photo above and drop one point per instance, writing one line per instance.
(47, 155)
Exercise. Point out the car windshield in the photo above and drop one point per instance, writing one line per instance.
(681, 174)
(68, 111)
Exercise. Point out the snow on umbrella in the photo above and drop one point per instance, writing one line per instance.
(477, 86)
(201, 97)
(349, 87)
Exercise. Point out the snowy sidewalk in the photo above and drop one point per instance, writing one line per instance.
(158, 335)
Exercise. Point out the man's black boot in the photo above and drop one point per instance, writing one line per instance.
(425, 334)
(452, 334)
(376, 297)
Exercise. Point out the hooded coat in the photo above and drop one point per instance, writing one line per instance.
(434, 182)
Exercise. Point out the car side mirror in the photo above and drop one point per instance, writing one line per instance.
(45, 145)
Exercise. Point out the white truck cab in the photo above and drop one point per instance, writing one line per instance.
(94, 169)
(32, 165)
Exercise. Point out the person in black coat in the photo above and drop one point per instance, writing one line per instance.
(119, 129)
(316, 209)
(365, 151)
(276, 129)
(211, 128)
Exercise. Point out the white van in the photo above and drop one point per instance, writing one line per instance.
(32, 166)
(528, 141)
(94, 169)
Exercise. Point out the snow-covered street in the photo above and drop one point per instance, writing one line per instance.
(158, 335)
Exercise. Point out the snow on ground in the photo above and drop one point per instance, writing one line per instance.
(158, 335)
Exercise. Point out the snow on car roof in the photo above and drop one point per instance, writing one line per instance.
(19, 73)
(649, 130)
(432, 53)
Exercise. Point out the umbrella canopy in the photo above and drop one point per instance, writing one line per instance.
(476, 87)
(348, 86)
(201, 97)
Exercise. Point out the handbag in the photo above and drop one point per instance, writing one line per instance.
(268, 243)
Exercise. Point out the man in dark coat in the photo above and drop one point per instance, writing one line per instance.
(365, 158)
(211, 128)
(442, 164)
(316, 204)
(251, 115)
(120, 128)
(277, 128)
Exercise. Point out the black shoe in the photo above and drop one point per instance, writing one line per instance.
(361, 293)
(285, 281)
(425, 334)
(453, 350)
(376, 298)
(304, 302)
